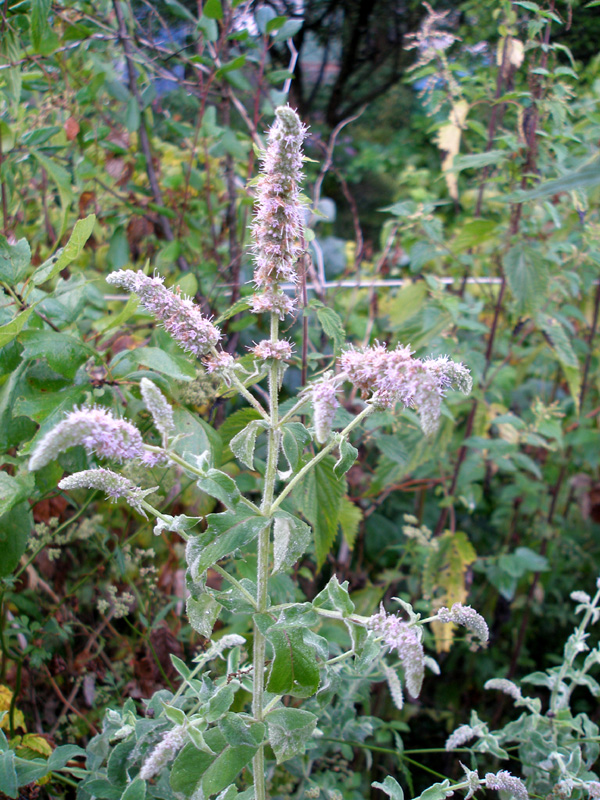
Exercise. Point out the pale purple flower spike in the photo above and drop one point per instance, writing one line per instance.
(179, 315)
(325, 404)
(504, 781)
(394, 376)
(94, 428)
(403, 638)
(109, 482)
(280, 350)
(468, 618)
(277, 226)
(163, 752)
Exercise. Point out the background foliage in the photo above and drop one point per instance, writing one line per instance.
(455, 207)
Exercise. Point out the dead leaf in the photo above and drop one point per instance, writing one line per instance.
(71, 128)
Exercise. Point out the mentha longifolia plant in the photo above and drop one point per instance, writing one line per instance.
(190, 742)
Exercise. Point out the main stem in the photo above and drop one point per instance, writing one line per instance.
(262, 571)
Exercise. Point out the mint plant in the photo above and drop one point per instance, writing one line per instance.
(197, 740)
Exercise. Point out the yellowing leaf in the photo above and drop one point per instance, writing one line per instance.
(32, 746)
(5, 700)
(444, 580)
(515, 52)
(448, 141)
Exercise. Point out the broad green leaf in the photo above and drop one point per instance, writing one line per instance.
(330, 322)
(557, 338)
(478, 160)
(43, 38)
(474, 233)
(64, 353)
(62, 179)
(242, 445)
(408, 301)
(8, 774)
(350, 517)
(15, 526)
(14, 261)
(320, 503)
(291, 538)
(225, 533)
(41, 406)
(62, 258)
(113, 321)
(135, 791)
(226, 767)
(347, 457)
(294, 669)
(527, 276)
(12, 329)
(220, 702)
(237, 732)
(197, 435)
(191, 764)
(289, 731)
(391, 787)
(213, 9)
(243, 304)
(202, 613)
(13, 490)
(221, 486)
(118, 762)
(288, 30)
(62, 755)
(175, 366)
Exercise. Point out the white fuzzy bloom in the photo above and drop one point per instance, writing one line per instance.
(219, 363)
(94, 428)
(164, 751)
(504, 781)
(280, 350)
(273, 301)
(473, 779)
(462, 735)
(394, 685)
(109, 482)
(593, 788)
(404, 639)
(325, 404)
(160, 410)
(506, 686)
(580, 597)
(468, 618)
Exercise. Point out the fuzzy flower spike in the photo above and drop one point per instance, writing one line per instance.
(180, 316)
(277, 227)
(97, 430)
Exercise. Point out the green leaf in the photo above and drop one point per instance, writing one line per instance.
(132, 117)
(478, 160)
(213, 9)
(225, 533)
(294, 669)
(237, 732)
(559, 342)
(62, 258)
(12, 329)
(242, 445)
(223, 487)
(226, 767)
(175, 366)
(135, 791)
(209, 28)
(202, 613)
(38, 23)
(294, 439)
(289, 731)
(347, 457)
(288, 30)
(62, 179)
(335, 597)
(64, 353)
(331, 323)
(15, 526)
(243, 304)
(583, 178)
(291, 538)
(350, 517)
(320, 503)
(527, 276)
(191, 764)
(14, 261)
(391, 787)
(13, 490)
(474, 233)
(8, 774)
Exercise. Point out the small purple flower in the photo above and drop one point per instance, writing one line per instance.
(109, 482)
(403, 638)
(504, 781)
(280, 350)
(94, 428)
(179, 315)
(468, 618)
(325, 404)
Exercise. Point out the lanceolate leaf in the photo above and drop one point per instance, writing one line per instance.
(291, 538)
(63, 257)
(242, 445)
(322, 493)
(226, 533)
(293, 441)
(294, 669)
(14, 260)
(527, 276)
(218, 484)
(347, 457)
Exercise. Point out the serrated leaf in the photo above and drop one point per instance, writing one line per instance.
(347, 456)
(527, 276)
(349, 517)
(221, 486)
(14, 260)
(291, 538)
(225, 533)
(202, 613)
(64, 353)
(12, 329)
(13, 490)
(583, 178)
(243, 444)
(335, 597)
(289, 731)
(320, 503)
(294, 669)
(243, 304)
(81, 233)
(59, 175)
(331, 323)
(559, 342)
(294, 439)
